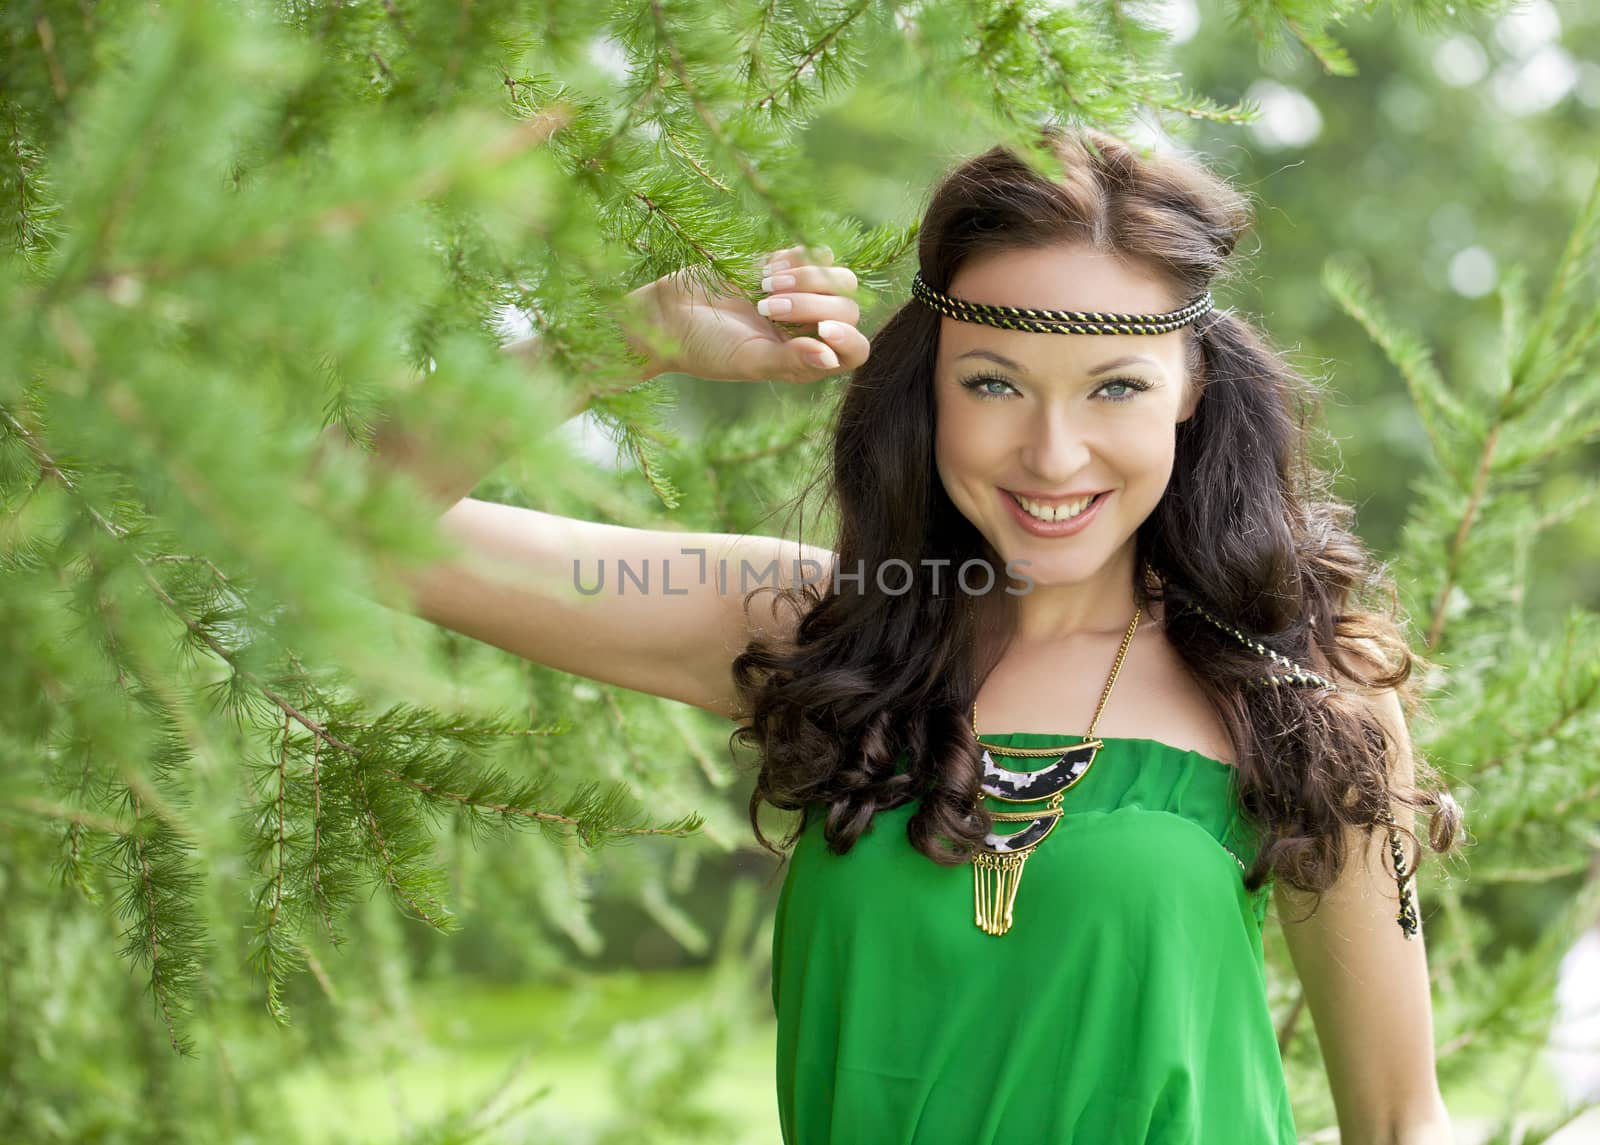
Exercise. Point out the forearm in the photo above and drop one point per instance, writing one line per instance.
(1432, 1129)
(1437, 1131)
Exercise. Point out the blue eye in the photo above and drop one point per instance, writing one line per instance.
(978, 381)
(1130, 386)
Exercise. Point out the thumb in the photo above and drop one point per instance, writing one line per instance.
(800, 359)
(810, 357)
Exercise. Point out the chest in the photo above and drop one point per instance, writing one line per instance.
(1056, 689)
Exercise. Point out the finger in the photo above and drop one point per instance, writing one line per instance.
(804, 309)
(849, 344)
(798, 256)
(813, 279)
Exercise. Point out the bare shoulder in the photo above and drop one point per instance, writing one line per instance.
(1180, 705)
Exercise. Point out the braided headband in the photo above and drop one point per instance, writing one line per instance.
(1056, 321)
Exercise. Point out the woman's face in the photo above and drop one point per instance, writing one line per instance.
(1058, 416)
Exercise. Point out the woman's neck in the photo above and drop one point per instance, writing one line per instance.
(1100, 605)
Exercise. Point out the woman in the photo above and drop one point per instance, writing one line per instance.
(1092, 619)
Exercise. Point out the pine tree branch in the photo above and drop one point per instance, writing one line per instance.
(1570, 708)
(47, 44)
(1576, 349)
(1440, 412)
(554, 730)
(752, 176)
(383, 65)
(1334, 59)
(671, 136)
(320, 973)
(158, 969)
(465, 800)
(1047, 50)
(1458, 545)
(337, 217)
(1571, 268)
(391, 862)
(207, 561)
(43, 459)
(281, 773)
(791, 82)
(751, 71)
(318, 894)
(73, 815)
(678, 230)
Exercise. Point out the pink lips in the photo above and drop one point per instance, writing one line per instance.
(1040, 528)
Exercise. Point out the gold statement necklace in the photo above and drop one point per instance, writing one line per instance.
(997, 866)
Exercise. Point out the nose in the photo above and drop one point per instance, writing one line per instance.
(1055, 450)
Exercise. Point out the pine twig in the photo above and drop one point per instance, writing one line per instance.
(752, 175)
(319, 730)
(153, 941)
(1458, 544)
(792, 80)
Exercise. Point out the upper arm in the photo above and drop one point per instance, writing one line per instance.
(1364, 982)
(656, 611)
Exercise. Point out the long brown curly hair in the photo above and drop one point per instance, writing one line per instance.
(868, 678)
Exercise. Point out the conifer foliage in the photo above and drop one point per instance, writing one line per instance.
(1512, 710)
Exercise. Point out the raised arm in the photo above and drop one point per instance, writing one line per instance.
(657, 611)
(652, 610)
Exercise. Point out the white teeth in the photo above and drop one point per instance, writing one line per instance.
(1062, 512)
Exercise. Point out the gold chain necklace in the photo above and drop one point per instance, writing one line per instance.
(997, 866)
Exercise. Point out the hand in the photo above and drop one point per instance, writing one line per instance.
(726, 337)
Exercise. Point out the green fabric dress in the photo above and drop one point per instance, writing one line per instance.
(1126, 1005)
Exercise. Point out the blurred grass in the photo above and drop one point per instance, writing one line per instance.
(563, 1036)
(475, 1034)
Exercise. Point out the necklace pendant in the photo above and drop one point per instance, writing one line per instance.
(997, 866)
(1028, 786)
(995, 879)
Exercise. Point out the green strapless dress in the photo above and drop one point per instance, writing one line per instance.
(1126, 1005)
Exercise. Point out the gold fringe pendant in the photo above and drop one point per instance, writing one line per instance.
(995, 880)
(997, 866)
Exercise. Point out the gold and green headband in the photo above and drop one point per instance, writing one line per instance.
(1056, 321)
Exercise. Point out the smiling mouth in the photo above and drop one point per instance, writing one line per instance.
(1057, 511)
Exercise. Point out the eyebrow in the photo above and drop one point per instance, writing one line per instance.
(1002, 360)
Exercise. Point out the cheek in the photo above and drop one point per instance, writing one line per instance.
(1146, 460)
(966, 460)
(1153, 450)
(953, 450)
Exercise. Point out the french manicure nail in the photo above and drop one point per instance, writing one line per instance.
(825, 358)
(771, 306)
(777, 282)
